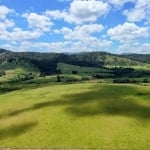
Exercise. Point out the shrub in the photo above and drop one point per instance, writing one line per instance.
(58, 78)
(86, 78)
(74, 72)
(125, 81)
(146, 81)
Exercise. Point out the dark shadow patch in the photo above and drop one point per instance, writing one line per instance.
(104, 99)
(36, 107)
(141, 94)
(15, 130)
(109, 100)
(4, 90)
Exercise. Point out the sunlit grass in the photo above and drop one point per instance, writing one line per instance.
(85, 115)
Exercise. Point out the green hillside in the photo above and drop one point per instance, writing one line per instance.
(107, 59)
(32, 64)
(15, 67)
(73, 69)
(139, 57)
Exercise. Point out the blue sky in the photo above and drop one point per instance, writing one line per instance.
(116, 26)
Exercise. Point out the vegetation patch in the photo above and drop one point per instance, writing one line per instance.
(83, 115)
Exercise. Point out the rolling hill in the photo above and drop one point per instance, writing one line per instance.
(32, 64)
(138, 57)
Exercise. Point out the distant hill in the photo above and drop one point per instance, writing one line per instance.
(139, 57)
(108, 59)
(4, 50)
(47, 63)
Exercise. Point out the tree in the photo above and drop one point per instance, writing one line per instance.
(58, 78)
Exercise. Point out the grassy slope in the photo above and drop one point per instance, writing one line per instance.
(88, 115)
(123, 62)
(14, 69)
(111, 60)
(139, 57)
(83, 71)
(45, 59)
(67, 69)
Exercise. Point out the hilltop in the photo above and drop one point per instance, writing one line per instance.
(33, 64)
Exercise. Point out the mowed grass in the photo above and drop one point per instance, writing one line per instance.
(83, 115)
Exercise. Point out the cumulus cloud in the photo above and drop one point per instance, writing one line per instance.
(78, 39)
(128, 32)
(56, 14)
(9, 31)
(129, 35)
(80, 32)
(84, 33)
(64, 46)
(136, 47)
(6, 24)
(38, 21)
(17, 34)
(81, 11)
(140, 12)
(38, 25)
(88, 10)
(4, 11)
(120, 3)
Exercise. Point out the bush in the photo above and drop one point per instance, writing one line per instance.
(58, 78)
(146, 81)
(72, 78)
(2, 73)
(74, 72)
(125, 81)
(86, 78)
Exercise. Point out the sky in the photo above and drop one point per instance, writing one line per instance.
(70, 26)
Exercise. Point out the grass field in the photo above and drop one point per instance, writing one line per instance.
(67, 69)
(81, 115)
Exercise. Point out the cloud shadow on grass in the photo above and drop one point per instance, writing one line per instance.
(5, 90)
(15, 130)
(108, 100)
(118, 101)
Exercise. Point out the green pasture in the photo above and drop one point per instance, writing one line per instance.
(68, 69)
(81, 115)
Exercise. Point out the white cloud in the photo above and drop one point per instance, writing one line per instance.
(80, 32)
(120, 3)
(134, 15)
(4, 11)
(77, 40)
(64, 46)
(83, 34)
(128, 32)
(81, 11)
(56, 14)
(140, 12)
(87, 10)
(130, 37)
(6, 24)
(134, 48)
(38, 21)
(17, 34)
